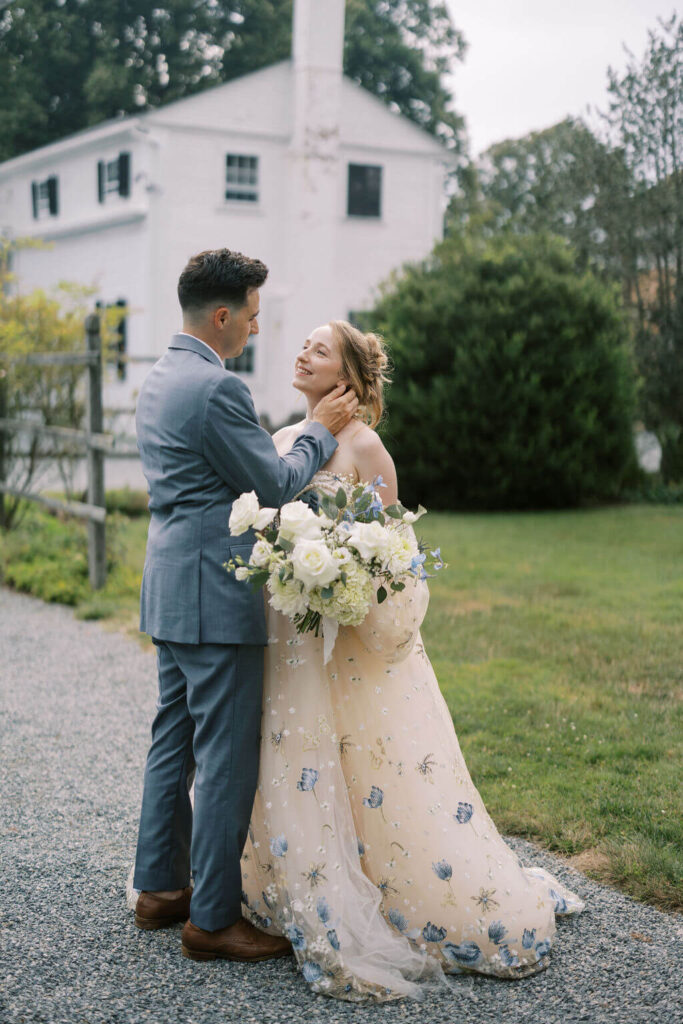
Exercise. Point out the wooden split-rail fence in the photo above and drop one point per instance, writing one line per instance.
(93, 440)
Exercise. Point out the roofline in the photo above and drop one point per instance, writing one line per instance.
(84, 139)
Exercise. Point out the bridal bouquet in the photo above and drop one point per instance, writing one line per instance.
(322, 569)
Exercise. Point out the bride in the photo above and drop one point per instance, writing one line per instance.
(369, 846)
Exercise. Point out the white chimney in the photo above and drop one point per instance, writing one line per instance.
(318, 53)
(316, 179)
(318, 34)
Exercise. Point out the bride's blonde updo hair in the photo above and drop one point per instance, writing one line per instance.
(363, 363)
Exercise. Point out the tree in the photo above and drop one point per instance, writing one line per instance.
(645, 123)
(108, 58)
(512, 384)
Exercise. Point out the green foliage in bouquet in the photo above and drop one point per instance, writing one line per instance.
(513, 385)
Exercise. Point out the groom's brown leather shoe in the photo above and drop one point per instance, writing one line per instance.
(239, 941)
(153, 912)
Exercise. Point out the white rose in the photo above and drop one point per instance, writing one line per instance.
(241, 572)
(299, 522)
(260, 553)
(342, 557)
(313, 563)
(371, 540)
(244, 511)
(265, 516)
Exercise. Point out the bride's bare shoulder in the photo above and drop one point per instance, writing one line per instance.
(364, 440)
(285, 437)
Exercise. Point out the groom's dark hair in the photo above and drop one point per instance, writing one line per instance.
(220, 276)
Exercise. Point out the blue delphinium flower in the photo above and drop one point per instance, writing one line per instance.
(464, 812)
(378, 482)
(528, 938)
(542, 948)
(438, 560)
(278, 845)
(432, 933)
(323, 908)
(398, 920)
(465, 953)
(443, 870)
(496, 932)
(375, 799)
(507, 958)
(333, 939)
(416, 567)
(560, 902)
(309, 777)
(311, 971)
(295, 936)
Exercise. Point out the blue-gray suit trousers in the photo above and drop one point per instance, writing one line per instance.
(206, 728)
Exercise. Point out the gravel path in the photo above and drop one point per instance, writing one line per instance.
(75, 706)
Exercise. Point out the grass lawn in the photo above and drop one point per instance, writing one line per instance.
(557, 639)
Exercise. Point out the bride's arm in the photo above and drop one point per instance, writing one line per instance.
(371, 459)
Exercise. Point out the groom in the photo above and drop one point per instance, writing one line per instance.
(201, 446)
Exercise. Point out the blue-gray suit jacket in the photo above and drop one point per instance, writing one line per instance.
(201, 446)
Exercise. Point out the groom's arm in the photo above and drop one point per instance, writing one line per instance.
(243, 453)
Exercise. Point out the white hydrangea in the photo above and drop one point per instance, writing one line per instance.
(287, 597)
(351, 601)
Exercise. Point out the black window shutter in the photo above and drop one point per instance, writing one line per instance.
(124, 174)
(34, 198)
(53, 195)
(122, 342)
(100, 180)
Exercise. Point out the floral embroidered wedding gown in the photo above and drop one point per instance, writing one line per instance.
(369, 845)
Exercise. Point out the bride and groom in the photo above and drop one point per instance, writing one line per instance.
(334, 816)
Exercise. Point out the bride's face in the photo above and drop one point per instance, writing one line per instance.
(318, 366)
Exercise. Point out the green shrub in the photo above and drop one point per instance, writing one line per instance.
(512, 384)
(127, 501)
(47, 557)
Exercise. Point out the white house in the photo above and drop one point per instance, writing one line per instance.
(294, 164)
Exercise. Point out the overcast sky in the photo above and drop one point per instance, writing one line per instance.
(530, 63)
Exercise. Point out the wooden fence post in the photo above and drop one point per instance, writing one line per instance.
(3, 461)
(97, 557)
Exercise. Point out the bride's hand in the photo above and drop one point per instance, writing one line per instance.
(336, 409)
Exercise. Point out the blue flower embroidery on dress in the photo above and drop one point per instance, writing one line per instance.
(497, 931)
(464, 812)
(560, 902)
(323, 908)
(361, 849)
(465, 953)
(333, 939)
(375, 799)
(278, 845)
(311, 971)
(433, 933)
(295, 936)
(507, 958)
(398, 920)
(542, 948)
(528, 938)
(443, 870)
(309, 777)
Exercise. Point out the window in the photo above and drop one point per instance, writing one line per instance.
(45, 197)
(365, 191)
(113, 176)
(241, 178)
(244, 362)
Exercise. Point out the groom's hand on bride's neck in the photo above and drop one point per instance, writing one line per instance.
(336, 409)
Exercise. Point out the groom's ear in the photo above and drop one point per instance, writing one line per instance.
(221, 317)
